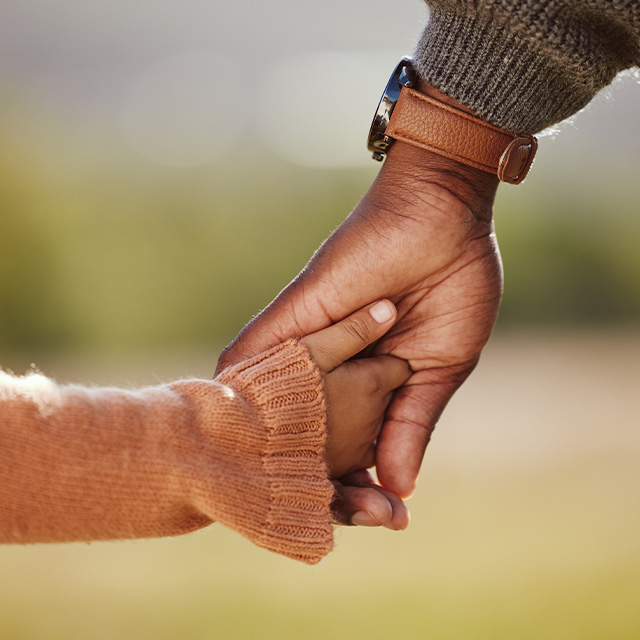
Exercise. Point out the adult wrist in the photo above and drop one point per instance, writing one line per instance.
(409, 169)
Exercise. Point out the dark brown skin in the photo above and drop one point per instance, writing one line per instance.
(422, 237)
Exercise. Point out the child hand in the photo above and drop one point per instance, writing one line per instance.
(357, 391)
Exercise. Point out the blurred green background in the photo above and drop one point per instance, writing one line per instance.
(140, 230)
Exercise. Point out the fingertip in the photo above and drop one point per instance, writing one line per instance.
(401, 518)
(383, 311)
(404, 488)
(406, 492)
(407, 521)
(404, 515)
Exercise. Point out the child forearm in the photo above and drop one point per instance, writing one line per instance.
(245, 449)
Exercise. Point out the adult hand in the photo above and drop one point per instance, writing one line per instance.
(423, 237)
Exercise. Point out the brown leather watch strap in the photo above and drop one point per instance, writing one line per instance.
(427, 123)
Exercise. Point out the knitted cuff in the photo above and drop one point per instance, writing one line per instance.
(511, 74)
(273, 486)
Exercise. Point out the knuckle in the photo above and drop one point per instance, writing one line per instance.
(358, 328)
(325, 353)
(225, 359)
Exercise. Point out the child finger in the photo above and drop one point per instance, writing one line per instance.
(386, 372)
(334, 345)
(362, 502)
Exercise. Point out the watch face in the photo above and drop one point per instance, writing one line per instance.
(378, 142)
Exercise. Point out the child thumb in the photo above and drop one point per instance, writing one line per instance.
(334, 345)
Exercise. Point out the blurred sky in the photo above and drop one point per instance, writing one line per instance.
(181, 83)
(170, 76)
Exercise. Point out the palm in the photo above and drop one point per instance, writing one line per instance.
(445, 321)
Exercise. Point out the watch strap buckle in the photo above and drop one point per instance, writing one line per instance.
(517, 158)
(426, 122)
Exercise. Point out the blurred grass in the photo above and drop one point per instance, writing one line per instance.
(525, 525)
(467, 570)
(100, 250)
(154, 258)
(570, 250)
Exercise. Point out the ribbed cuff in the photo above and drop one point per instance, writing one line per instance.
(275, 485)
(515, 80)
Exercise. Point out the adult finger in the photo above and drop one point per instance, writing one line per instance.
(410, 420)
(360, 501)
(334, 345)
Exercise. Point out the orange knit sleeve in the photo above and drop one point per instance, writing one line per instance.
(245, 449)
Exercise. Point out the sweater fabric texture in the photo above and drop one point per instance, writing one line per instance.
(524, 65)
(246, 449)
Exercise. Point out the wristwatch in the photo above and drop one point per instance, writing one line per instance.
(426, 122)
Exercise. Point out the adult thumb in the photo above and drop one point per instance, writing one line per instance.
(334, 345)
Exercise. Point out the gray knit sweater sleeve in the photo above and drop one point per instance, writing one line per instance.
(524, 65)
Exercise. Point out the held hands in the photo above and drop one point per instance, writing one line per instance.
(422, 237)
(357, 394)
